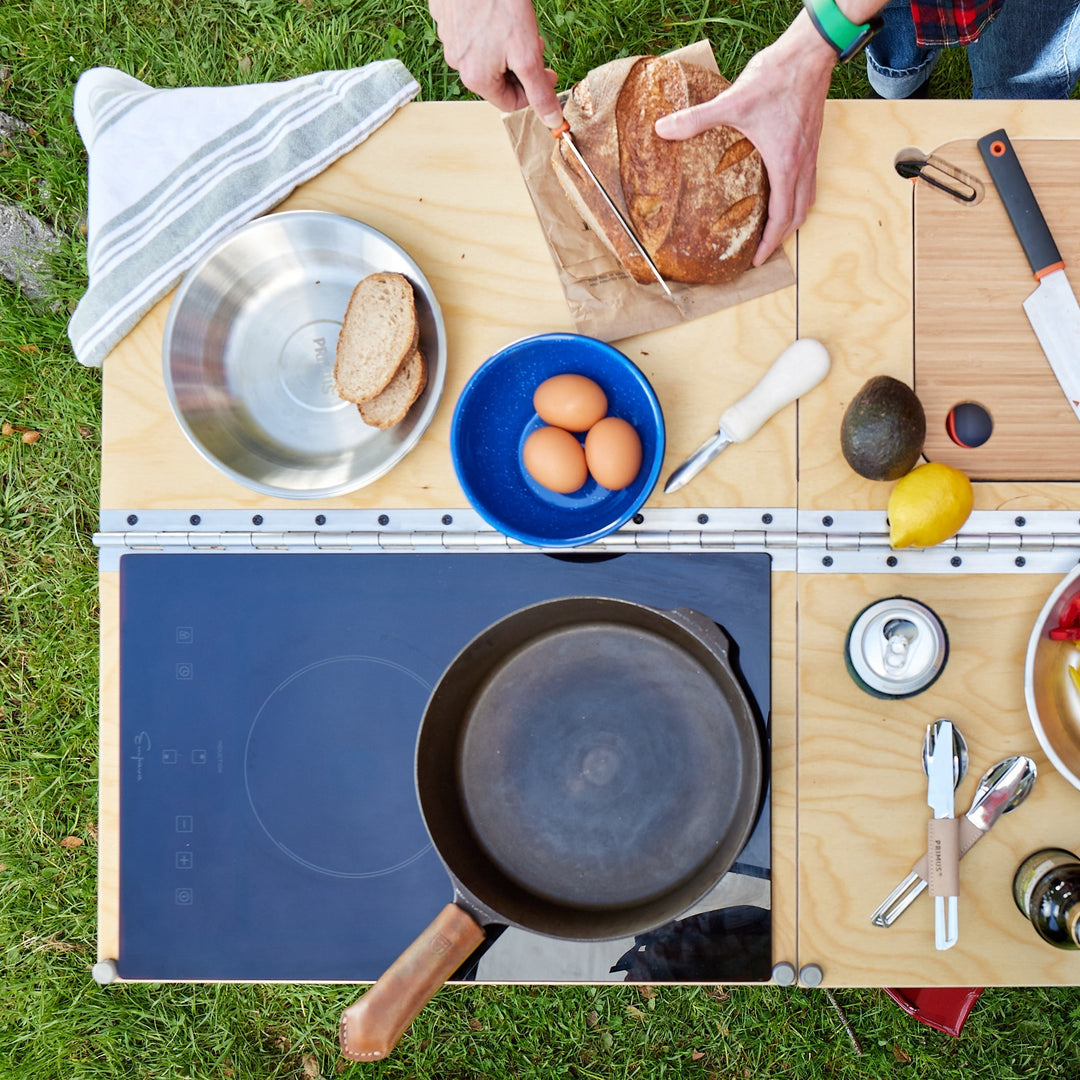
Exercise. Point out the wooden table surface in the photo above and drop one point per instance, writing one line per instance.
(861, 811)
(441, 180)
(848, 794)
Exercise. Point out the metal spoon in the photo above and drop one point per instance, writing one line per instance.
(1001, 790)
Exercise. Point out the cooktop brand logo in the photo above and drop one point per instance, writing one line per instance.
(142, 748)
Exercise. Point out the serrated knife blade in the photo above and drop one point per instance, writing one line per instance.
(563, 132)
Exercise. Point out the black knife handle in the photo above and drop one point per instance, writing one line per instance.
(1020, 203)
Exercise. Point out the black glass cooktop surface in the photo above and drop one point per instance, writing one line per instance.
(269, 827)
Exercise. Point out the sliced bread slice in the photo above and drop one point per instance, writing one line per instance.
(389, 408)
(379, 332)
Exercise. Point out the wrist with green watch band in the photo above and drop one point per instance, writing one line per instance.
(846, 37)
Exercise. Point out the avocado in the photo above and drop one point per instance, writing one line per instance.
(883, 429)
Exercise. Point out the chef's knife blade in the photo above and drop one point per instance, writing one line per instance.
(563, 132)
(1052, 308)
(800, 367)
(939, 794)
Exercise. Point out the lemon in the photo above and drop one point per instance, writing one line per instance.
(928, 505)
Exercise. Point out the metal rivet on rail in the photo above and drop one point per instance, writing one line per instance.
(955, 561)
(766, 519)
(826, 520)
(320, 519)
(384, 519)
(195, 519)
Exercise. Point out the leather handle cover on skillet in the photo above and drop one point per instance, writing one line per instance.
(370, 1029)
(1020, 203)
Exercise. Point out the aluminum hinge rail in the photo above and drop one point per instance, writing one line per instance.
(991, 542)
(756, 530)
(807, 541)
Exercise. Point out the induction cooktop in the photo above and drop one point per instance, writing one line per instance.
(269, 707)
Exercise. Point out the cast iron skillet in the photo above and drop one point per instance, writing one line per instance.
(587, 768)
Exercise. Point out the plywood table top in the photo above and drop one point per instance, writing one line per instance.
(848, 796)
(440, 179)
(861, 793)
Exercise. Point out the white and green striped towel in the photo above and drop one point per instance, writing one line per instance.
(172, 171)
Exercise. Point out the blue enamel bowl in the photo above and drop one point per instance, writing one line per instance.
(494, 416)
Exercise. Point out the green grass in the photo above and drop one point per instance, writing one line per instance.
(54, 1021)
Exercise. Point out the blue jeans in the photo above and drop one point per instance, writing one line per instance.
(1030, 50)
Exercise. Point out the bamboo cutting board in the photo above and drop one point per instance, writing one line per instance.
(973, 341)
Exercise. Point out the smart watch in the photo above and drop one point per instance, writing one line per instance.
(846, 37)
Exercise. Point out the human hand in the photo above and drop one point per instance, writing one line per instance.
(778, 103)
(496, 48)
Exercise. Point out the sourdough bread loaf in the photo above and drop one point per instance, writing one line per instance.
(379, 332)
(698, 206)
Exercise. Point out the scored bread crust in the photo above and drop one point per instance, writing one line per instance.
(379, 331)
(697, 205)
(391, 406)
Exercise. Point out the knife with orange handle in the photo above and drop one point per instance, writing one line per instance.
(563, 132)
(1052, 308)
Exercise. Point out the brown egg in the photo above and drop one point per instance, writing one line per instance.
(613, 452)
(573, 402)
(555, 459)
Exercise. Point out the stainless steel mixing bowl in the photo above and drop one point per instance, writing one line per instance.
(1053, 699)
(249, 355)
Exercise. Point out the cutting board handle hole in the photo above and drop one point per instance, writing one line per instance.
(938, 174)
(969, 425)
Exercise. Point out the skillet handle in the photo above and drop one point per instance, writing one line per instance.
(703, 628)
(370, 1029)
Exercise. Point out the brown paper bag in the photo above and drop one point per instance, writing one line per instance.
(604, 300)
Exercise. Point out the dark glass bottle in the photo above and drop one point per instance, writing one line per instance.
(1047, 890)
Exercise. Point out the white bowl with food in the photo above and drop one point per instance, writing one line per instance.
(1052, 677)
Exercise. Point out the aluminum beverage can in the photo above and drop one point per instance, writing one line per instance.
(896, 648)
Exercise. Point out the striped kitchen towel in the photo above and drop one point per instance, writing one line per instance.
(171, 172)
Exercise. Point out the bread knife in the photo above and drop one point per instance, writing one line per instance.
(563, 132)
(800, 367)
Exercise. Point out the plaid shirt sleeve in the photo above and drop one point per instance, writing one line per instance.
(951, 22)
